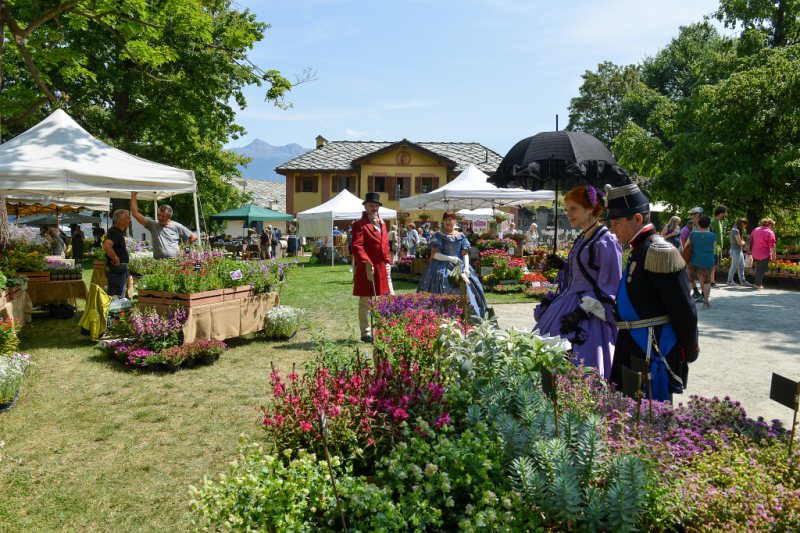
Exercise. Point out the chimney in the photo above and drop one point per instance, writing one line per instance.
(321, 141)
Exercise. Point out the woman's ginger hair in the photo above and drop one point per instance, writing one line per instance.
(582, 195)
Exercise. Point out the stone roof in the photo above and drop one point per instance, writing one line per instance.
(265, 192)
(339, 155)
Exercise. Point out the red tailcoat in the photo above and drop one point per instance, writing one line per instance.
(370, 246)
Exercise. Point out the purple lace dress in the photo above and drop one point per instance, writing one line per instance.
(594, 269)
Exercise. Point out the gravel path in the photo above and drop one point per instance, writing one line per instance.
(745, 336)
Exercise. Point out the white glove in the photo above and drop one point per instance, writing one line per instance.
(593, 307)
(465, 267)
(450, 258)
(370, 272)
(465, 278)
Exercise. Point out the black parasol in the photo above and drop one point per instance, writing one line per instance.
(559, 160)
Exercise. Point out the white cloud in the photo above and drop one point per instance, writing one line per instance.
(354, 134)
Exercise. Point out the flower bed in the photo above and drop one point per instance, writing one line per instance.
(149, 340)
(457, 434)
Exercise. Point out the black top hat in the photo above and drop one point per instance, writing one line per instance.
(626, 201)
(373, 197)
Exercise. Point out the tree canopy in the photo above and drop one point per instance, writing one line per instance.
(713, 119)
(156, 79)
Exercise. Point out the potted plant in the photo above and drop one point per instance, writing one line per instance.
(424, 216)
(12, 370)
(282, 322)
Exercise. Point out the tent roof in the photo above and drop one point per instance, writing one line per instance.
(318, 221)
(471, 190)
(250, 213)
(67, 218)
(58, 157)
(41, 203)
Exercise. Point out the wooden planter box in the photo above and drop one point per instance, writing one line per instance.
(193, 299)
(237, 293)
(418, 266)
(160, 299)
(35, 277)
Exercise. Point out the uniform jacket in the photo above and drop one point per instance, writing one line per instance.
(657, 285)
(373, 247)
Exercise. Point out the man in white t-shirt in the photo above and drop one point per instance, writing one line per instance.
(167, 234)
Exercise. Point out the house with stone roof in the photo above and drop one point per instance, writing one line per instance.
(394, 169)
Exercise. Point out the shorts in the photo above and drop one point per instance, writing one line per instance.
(703, 274)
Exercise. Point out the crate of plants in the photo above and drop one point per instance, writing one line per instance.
(206, 277)
(61, 271)
(146, 339)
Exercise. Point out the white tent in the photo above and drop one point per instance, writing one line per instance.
(484, 213)
(318, 221)
(59, 158)
(45, 203)
(471, 190)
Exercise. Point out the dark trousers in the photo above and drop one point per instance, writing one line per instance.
(117, 279)
(761, 269)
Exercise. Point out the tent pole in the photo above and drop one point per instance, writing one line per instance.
(196, 215)
(333, 244)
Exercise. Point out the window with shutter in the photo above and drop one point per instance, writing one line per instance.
(315, 182)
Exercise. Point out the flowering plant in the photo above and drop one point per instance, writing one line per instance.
(8, 335)
(151, 331)
(443, 305)
(12, 370)
(534, 277)
(492, 257)
(494, 244)
(282, 322)
(142, 263)
(132, 245)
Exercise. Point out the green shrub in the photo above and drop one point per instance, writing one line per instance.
(263, 492)
(444, 481)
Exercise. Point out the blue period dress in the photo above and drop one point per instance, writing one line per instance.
(435, 280)
(594, 269)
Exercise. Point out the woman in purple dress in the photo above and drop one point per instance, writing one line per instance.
(581, 309)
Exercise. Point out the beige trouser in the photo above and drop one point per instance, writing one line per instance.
(363, 315)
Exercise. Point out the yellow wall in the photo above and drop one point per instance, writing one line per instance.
(389, 164)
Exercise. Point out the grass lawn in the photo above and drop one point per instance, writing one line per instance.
(93, 445)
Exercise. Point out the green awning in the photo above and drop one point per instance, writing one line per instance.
(252, 213)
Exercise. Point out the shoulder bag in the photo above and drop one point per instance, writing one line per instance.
(686, 253)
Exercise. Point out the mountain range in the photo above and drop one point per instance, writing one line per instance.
(265, 157)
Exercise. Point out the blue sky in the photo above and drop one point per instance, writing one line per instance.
(488, 71)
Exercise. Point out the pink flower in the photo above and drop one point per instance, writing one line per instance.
(443, 420)
(305, 426)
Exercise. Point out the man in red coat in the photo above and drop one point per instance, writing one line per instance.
(373, 262)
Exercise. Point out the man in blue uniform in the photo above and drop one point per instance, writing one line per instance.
(656, 317)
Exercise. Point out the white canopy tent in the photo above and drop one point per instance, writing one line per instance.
(471, 190)
(42, 203)
(60, 159)
(318, 221)
(484, 213)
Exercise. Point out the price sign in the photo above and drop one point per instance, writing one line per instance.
(198, 266)
(236, 275)
(479, 224)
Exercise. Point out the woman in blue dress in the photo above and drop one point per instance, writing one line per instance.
(449, 247)
(581, 309)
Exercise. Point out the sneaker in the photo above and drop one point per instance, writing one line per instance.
(713, 285)
(366, 338)
(758, 286)
(696, 294)
(746, 284)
